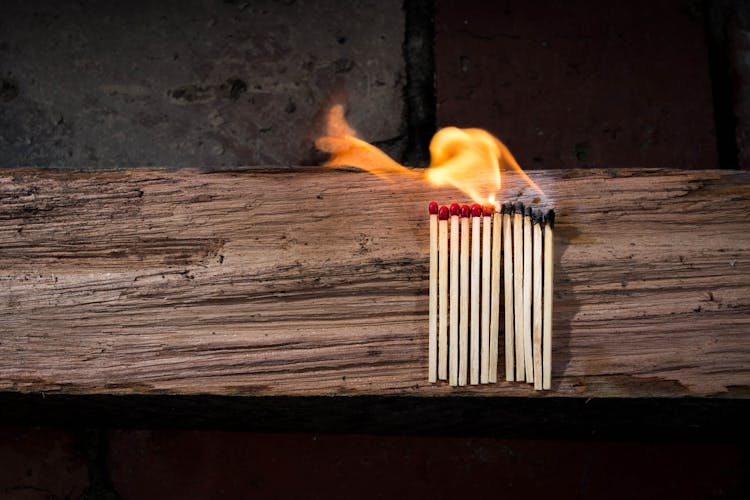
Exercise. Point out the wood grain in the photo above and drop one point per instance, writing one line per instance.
(310, 282)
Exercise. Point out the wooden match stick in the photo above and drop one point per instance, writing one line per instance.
(476, 218)
(527, 341)
(536, 300)
(453, 313)
(508, 281)
(518, 288)
(549, 279)
(484, 357)
(432, 364)
(443, 293)
(463, 325)
(495, 307)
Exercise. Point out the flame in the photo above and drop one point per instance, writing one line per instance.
(469, 159)
(346, 149)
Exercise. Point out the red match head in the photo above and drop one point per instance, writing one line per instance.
(455, 209)
(465, 211)
(488, 210)
(433, 208)
(443, 213)
(476, 210)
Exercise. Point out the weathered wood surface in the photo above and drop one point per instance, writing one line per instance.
(306, 282)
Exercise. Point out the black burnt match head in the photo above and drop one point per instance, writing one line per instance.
(549, 218)
(537, 216)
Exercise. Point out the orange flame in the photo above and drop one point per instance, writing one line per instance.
(468, 159)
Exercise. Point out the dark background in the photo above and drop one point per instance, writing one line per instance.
(566, 84)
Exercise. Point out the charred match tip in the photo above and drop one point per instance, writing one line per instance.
(455, 209)
(537, 217)
(518, 208)
(549, 218)
(443, 213)
(488, 210)
(476, 210)
(527, 213)
(465, 211)
(502, 209)
(433, 208)
(509, 209)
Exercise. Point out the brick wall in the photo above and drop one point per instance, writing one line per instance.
(55, 463)
(580, 83)
(223, 83)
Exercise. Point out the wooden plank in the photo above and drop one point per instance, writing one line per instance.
(310, 282)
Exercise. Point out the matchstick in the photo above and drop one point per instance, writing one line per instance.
(508, 282)
(527, 344)
(432, 336)
(536, 300)
(495, 307)
(518, 289)
(549, 279)
(443, 293)
(486, 292)
(463, 325)
(476, 218)
(453, 313)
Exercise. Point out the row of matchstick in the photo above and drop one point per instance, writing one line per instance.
(464, 336)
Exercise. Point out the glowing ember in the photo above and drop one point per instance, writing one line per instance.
(469, 159)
